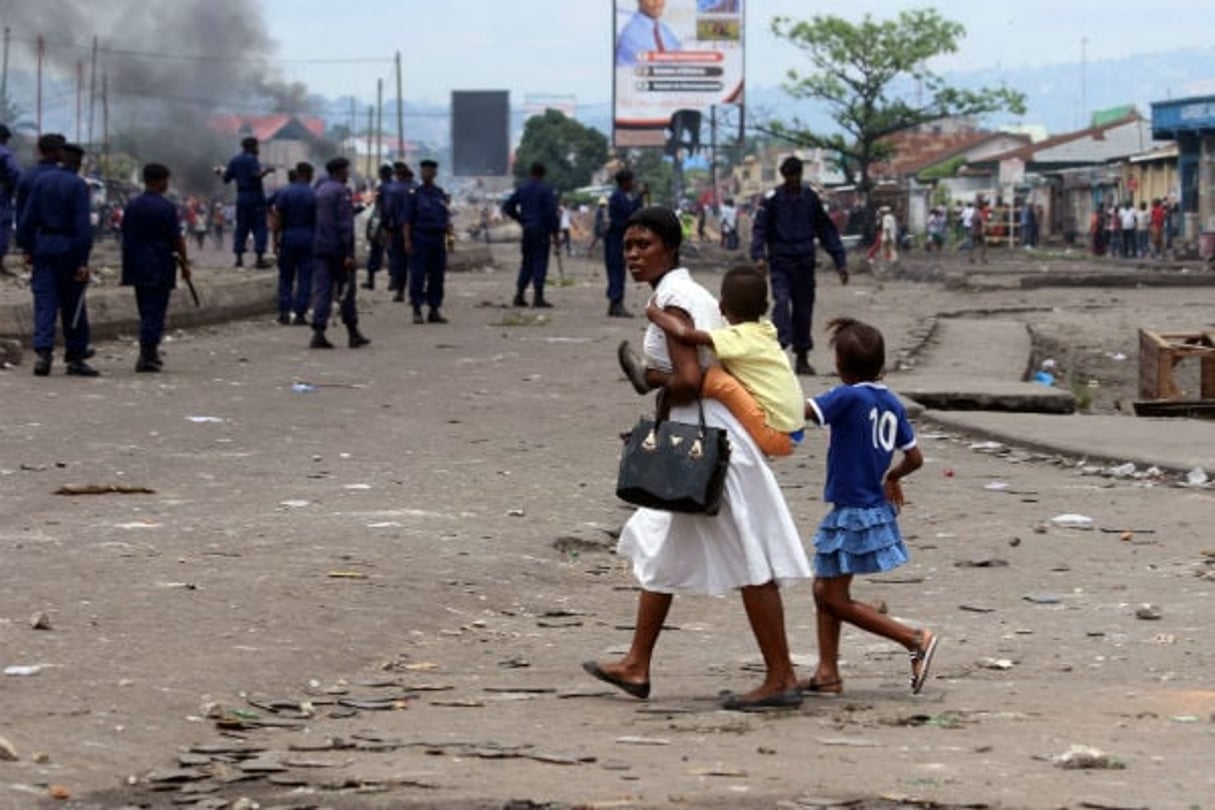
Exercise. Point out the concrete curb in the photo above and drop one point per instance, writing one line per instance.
(112, 309)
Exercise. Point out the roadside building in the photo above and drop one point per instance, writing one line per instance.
(1191, 123)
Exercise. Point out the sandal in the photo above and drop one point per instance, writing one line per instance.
(921, 660)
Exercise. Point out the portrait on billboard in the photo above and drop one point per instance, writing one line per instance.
(673, 55)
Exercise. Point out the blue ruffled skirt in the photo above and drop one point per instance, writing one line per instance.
(858, 540)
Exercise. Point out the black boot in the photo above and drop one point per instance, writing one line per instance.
(540, 302)
(520, 299)
(803, 366)
(616, 310)
(240, 260)
(42, 366)
(417, 315)
(300, 319)
(356, 338)
(369, 284)
(400, 296)
(261, 263)
(319, 341)
(435, 317)
(147, 362)
(76, 367)
(284, 316)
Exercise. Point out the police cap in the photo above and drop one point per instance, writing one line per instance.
(428, 163)
(73, 149)
(50, 142)
(337, 164)
(791, 165)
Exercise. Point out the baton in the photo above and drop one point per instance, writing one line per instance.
(560, 265)
(79, 307)
(181, 263)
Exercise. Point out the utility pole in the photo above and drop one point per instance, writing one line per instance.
(370, 155)
(8, 35)
(92, 89)
(79, 99)
(41, 49)
(1084, 80)
(105, 124)
(400, 113)
(379, 125)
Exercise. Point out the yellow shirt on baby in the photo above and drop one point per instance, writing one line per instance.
(753, 356)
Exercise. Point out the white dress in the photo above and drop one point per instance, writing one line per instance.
(753, 539)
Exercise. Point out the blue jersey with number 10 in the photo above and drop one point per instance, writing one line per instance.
(868, 423)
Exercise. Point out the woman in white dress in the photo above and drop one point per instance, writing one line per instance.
(752, 544)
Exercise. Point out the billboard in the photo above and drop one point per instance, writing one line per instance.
(672, 55)
(480, 133)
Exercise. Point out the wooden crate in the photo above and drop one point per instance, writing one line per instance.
(1159, 354)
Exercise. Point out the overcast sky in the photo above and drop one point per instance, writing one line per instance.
(565, 46)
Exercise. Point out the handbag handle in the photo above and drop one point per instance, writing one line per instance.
(700, 412)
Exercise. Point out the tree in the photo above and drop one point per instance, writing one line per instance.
(570, 152)
(857, 71)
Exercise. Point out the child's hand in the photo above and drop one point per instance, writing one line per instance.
(652, 311)
(894, 493)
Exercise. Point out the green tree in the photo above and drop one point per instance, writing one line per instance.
(857, 71)
(570, 152)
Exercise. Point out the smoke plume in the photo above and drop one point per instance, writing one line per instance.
(172, 65)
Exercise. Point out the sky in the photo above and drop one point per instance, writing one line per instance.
(563, 47)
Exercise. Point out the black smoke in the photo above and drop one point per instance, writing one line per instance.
(171, 67)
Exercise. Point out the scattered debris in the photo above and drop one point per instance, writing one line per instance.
(8, 753)
(1083, 757)
(104, 489)
(1073, 521)
(1148, 612)
(23, 670)
(40, 621)
(1197, 477)
(994, 663)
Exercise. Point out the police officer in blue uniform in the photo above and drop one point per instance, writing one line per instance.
(10, 176)
(621, 205)
(55, 232)
(534, 206)
(782, 241)
(50, 150)
(394, 213)
(377, 238)
(294, 216)
(247, 172)
(152, 249)
(427, 225)
(333, 252)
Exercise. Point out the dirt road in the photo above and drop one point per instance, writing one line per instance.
(377, 593)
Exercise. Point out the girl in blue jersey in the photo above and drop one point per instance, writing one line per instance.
(861, 535)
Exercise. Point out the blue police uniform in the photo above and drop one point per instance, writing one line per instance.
(786, 225)
(332, 245)
(428, 216)
(25, 185)
(53, 226)
(295, 205)
(534, 206)
(150, 231)
(10, 177)
(620, 207)
(246, 171)
(395, 194)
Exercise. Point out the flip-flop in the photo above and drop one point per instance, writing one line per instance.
(637, 690)
(822, 687)
(632, 368)
(788, 699)
(923, 657)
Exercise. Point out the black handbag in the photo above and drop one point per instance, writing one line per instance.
(674, 466)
